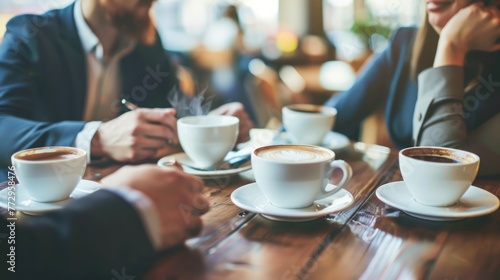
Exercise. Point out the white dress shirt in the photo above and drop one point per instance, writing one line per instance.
(102, 104)
(103, 79)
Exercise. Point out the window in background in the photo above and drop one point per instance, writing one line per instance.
(182, 23)
(10, 8)
(394, 13)
(259, 19)
(31, 6)
(360, 26)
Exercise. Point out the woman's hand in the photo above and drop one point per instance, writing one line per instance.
(474, 28)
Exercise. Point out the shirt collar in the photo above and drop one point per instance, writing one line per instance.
(88, 39)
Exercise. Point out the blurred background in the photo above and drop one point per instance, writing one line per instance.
(268, 53)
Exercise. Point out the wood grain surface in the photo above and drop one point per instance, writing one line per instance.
(369, 240)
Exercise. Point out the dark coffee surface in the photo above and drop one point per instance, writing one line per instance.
(458, 156)
(436, 159)
(312, 111)
(58, 155)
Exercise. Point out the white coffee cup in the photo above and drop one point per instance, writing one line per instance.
(49, 173)
(294, 176)
(308, 124)
(437, 176)
(207, 139)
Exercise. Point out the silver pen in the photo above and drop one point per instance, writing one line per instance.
(131, 106)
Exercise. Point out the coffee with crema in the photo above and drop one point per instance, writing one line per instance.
(294, 153)
(53, 155)
(293, 176)
(308, 111)
(307, 123)
(49, 174)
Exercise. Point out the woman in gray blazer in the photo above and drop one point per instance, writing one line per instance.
(440, 84)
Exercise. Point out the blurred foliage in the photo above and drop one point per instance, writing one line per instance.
(366, 30)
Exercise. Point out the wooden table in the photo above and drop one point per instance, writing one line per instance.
(369, 240)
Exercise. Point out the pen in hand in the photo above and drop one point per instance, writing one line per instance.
(131, 106)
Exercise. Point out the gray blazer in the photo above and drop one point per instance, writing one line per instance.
(439, 115)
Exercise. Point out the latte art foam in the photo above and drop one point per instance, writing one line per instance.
(294, 154)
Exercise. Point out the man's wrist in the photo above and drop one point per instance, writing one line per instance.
(95, 145)
(85, 137)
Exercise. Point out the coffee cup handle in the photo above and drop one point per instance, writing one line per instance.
(347, 175)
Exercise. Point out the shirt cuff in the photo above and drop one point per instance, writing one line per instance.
(84, 137)
(147, 212)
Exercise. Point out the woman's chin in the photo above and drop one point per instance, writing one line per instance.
(438, 21)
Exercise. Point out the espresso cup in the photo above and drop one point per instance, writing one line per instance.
(437, 176)
(206, 140)
(294, 176)
(49, 174)
(308, 124)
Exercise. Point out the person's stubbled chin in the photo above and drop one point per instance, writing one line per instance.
(132, 22)
(129, 23)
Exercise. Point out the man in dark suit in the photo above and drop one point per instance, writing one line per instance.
(63, 74)
(104, 234)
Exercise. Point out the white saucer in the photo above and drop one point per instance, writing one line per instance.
(250, 198)
(183, 159)
(475, 202)
(335, 141)
(261, 136)
(30, 207)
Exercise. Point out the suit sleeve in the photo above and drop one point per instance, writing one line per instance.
(369, 92)
(150, 76)
(18, 129)
(438, 119)
(93, 238)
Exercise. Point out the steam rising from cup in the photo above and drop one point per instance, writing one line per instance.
(186, 106)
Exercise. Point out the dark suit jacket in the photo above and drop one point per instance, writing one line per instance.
(43, 81)
(100, 236)
(386, 83)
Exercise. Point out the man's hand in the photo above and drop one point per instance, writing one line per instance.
(136, 135)
(236, 109)
(175, 195)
